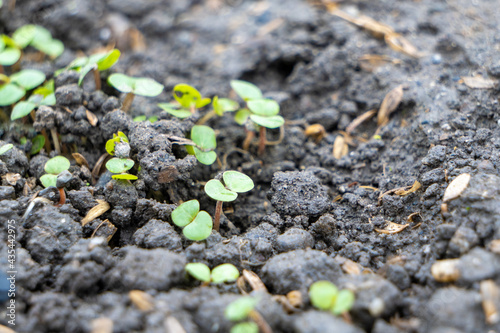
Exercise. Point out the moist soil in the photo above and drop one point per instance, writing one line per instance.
(311, 216)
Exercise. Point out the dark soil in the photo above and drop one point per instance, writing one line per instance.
(310, 217)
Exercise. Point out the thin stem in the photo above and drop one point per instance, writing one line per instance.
(97, 79)
(262, 140)
(53, 132)
(248, 139)
(260, 321)
(209, 115)
(62, 197)
(218, 213)
(47, 147)
(127, 102)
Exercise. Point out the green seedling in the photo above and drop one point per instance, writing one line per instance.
(57, 175)
(189, 100)
(144, 118)
(39, 38)
(325, 296)
(196, 224)
(235, 182)
(9, 52)
(219, 107)
(6, 148)
(37, 144)
(220, 274)
(119, 147)
(41, 96)
(204, 141)
(241, 311)
(260, 113)
(132, 86)
(13, 88)
(97, 63)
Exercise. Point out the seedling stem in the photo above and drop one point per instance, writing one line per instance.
(127, 102)
(262, 140)
(218, 214)
(97, 79)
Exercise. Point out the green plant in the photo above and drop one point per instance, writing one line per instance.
(39, 38)
(325, 296)
(97, 63)
(235, 182)
(119, 147)
(189, 100)
(262, 113)
(243, 309)
(219, 107)
(196, 224)
(13, 88)
(204, 143)
(57, 175)
(41, 96)
(5, 148)
(132, 86)
(9, 51)
(220, 274)
(37, 144)
(151, 119)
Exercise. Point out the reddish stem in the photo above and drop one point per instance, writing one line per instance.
(97, 79)
(62, 197)
(262, 140)
(218, 213)
(127, 102)
(248, 139)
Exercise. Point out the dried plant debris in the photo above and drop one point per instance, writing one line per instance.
(253, 280)
(105, 229)
(340, 147)
(359, 120)
(80, 160)
(389, 104)
(446, 270)
(495, 246)
(490, 295)
(392, 228)
(92, 118)
(102, 325)
(172, 325)
(142, 300)
(416, 185)
(370, 62)
(479, 82)
(315, 131)
(96, 211)
(456, 187)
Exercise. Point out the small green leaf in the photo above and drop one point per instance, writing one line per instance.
(199, 271)
(52, 47)
(204, 137)
(125, 176)
(241, 116)
(222, 105)
(185, 213)
(139, 118)
(56, 165)
(245, 327)
(237, 181)
(147, 87)
(186, 95)
(179, 113)
(343, 302)
(110, 145)
(204, 157)
(264, 107)
(119, 165)
(22, 109)
(10, 93)
(153, 119)
(240, 309)
(9, 56)
(225, 273)
(323, 294)
(122, 82)
(37, 144)
(200, 228)
(78, 63)
(215, 190)
(246, 90)
(28, 78)
(24, 35)
(6, 148)
(190, 150)
(122, 136)
(49, 100)
(108, 60)
(48, 180)
(269, 122)
(84, 71)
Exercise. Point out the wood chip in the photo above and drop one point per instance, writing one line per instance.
(295, 298)
(392, 228)
(359, 120)
(495, 246)
(102, 325)
(254, 281)
(389, 104)
(95, 211)
(168, 174)
(80, 160)
(92, 118)
(416, 185)
(340, 147)
(316, 131)
(479, 82)
(97, 167)
(446, 270)
(490, 295)
(142, 300)
(172, 325)
(105, 229)
(456, 187)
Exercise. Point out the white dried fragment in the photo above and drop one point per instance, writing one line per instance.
(456, 187)
(445, 270)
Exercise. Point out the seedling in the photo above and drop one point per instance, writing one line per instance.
(9, 52)
(244, 309)
(325, 296)
(204, 141)
(119, 147)
(6, 148)
(39, 38)
(144, 118)
(220, 274)
(57, 175)
(134, 86)
(196, 224)
(262, 112)
(41, 96)
(220, 106)
(235, 182)
(189, 100)
(97, 63)
(13, 88)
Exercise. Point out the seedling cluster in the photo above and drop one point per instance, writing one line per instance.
(119, 147)
(240, 311)
(189, 100)
(97, 63)
(220, 274)
(14, 87)
(325, 296)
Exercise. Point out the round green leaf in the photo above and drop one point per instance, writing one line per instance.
(323, 294)
(9, 56)
(185, 213)
(28, 78)
(204, 137)
(147, 87)
(6, 148)
(222, 105)
(186, 95)
(41, 35)
(239, 309)
(122, 82)
(171, 108)
(269, 122)
(10, 93)
(264, 107)
(52, 47)
(245, 327)
(24, 35)
(215, 190)
(241, 116)
(56, 165)
(225, 273)
(343, 302)
(237, 181)
(204, 157)
(200, 228)
(37, 144)
(125, 176)
(108, 60)
(22, 109)
(119, 165)
(246, 90)
(199, 271)
(48, 180)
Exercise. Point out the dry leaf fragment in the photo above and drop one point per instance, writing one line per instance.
(105, 229)
(98, 165)
(456, 187)
(490, 295)
(389, 104)
(102, 325)
(479, 82)
(445, 270)
(351, 267)
(359, 120)
(172, 325)
(316, 131)
(392, 228)
(254, 280)
(340, 147)
(401, 44)
(80, 160)
(370, 62)
(11, 178)
(143, 301)
(294, 298)
(92, 118)
(416, 185)
(95, 211)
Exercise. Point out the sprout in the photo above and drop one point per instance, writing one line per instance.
(39, 38)
(220, 274)
(235, 182)
(134, 86)
(97, 63)
(196, 224)
(13, 88)
(41, 96)
(9, 51)
(220, 106)
(57, 175)
(325, 296)
(244, 309)
(119, 165)
(204, 139)
(189, 100)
